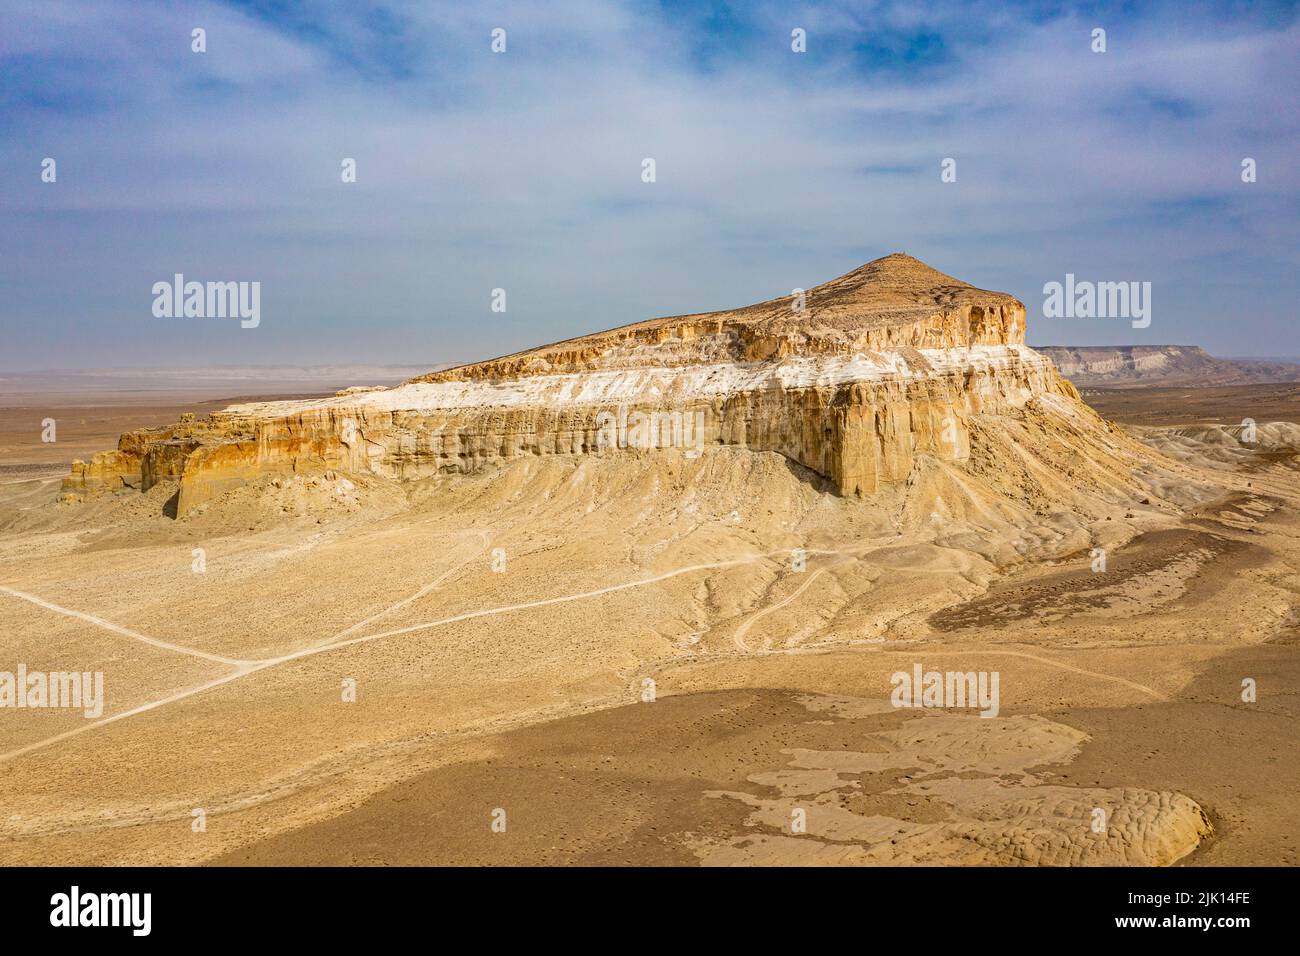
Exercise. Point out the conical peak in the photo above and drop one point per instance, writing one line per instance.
(890, 302)
(897, 273)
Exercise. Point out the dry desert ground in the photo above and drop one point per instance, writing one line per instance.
(436, 624)
(524, 689)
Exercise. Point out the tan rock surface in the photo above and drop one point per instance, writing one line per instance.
(882, 364)
(356, 538)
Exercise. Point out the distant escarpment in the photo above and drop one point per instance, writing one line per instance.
(853, 379)
(1118, 366)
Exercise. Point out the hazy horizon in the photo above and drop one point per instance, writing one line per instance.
(522, 170)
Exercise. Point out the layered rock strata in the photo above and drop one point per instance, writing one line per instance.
(1173, 365)
(853, 380)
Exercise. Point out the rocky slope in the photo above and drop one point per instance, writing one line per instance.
(853, 380)
(1140, 365)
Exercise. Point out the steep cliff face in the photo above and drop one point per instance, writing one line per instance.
(891, 303)
(853, 380)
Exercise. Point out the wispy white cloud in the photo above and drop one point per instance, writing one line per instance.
(522, 170)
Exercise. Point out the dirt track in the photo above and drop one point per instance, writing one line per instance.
(524, 689)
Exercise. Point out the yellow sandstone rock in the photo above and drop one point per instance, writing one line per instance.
(852, 379)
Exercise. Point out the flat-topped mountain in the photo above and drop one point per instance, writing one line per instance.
(1119, 366)
(892, 302)
(855, 379)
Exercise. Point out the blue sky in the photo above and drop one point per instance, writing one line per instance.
(522, 170)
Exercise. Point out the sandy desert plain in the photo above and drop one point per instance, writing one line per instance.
(621, 657)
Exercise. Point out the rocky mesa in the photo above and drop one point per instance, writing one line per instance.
(852, 379)
(1120, 366)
